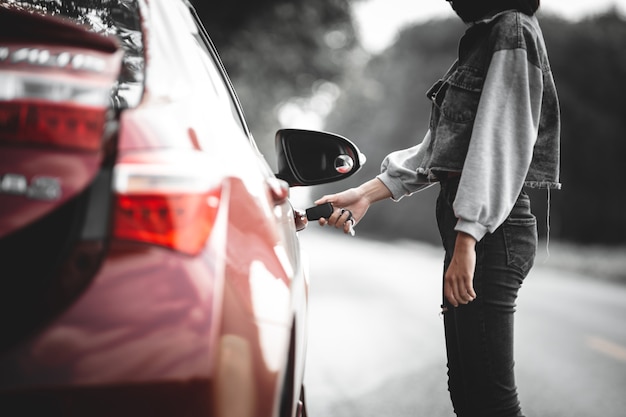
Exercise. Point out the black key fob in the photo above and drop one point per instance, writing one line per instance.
(316, 212)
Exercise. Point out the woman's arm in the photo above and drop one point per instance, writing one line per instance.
(357, 200)
(501, 147)
(497, 162)
(399, 170)
(399, 177)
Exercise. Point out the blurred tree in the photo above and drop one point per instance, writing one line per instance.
(384, 108)
(589, 65)
(278, 49)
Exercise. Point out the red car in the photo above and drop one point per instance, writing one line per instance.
(149, 258)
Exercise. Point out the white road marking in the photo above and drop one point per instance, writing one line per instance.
(607, 348)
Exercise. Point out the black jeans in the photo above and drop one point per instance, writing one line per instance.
(479, 335)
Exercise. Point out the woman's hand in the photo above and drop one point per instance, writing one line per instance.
(352, 204)
(458, 280)
(349, 207)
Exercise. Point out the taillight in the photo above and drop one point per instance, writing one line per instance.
(51, 97)
(165, 201)
(65, 125)
(178, 221)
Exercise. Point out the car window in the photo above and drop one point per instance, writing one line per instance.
(214, 71)
(119, 18)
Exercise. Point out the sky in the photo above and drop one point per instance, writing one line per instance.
(378, 21)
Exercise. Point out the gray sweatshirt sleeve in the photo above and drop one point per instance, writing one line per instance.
(501, 146)
(399, 170)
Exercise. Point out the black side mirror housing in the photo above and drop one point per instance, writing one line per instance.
(307, 157)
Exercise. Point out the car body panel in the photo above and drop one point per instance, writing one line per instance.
(69, 173)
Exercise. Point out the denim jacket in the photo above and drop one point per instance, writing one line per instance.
(456, 97)
(495, 119)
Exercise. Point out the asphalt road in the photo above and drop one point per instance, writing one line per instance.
(376, 339)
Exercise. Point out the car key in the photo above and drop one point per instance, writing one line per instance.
(323, 210)
(317, 212)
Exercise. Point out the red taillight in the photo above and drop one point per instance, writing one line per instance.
(178, 221)
(56, 96)
(166, 197)
(65, 125)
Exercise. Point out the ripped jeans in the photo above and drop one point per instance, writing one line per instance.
(479, 335)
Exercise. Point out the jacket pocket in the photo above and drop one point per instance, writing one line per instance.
(462, 95)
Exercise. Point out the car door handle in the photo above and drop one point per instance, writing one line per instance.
(279, 190)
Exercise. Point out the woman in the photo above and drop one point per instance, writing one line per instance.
(494, 128)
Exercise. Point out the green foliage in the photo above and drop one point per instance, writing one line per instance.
(384, 108)
(278, 49)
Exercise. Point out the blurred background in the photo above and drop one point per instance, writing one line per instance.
(360, 68)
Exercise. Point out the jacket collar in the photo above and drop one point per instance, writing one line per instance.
(490, 17)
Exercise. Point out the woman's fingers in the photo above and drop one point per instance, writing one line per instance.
(345, 217)
(341, 218)
(346, 204)
(458, 289)
(331, 198)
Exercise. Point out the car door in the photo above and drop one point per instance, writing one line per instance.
(264, 284)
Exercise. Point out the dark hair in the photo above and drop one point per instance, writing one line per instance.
(528, 6)
(470, 10)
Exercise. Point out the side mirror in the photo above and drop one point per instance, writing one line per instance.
(307, 157)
